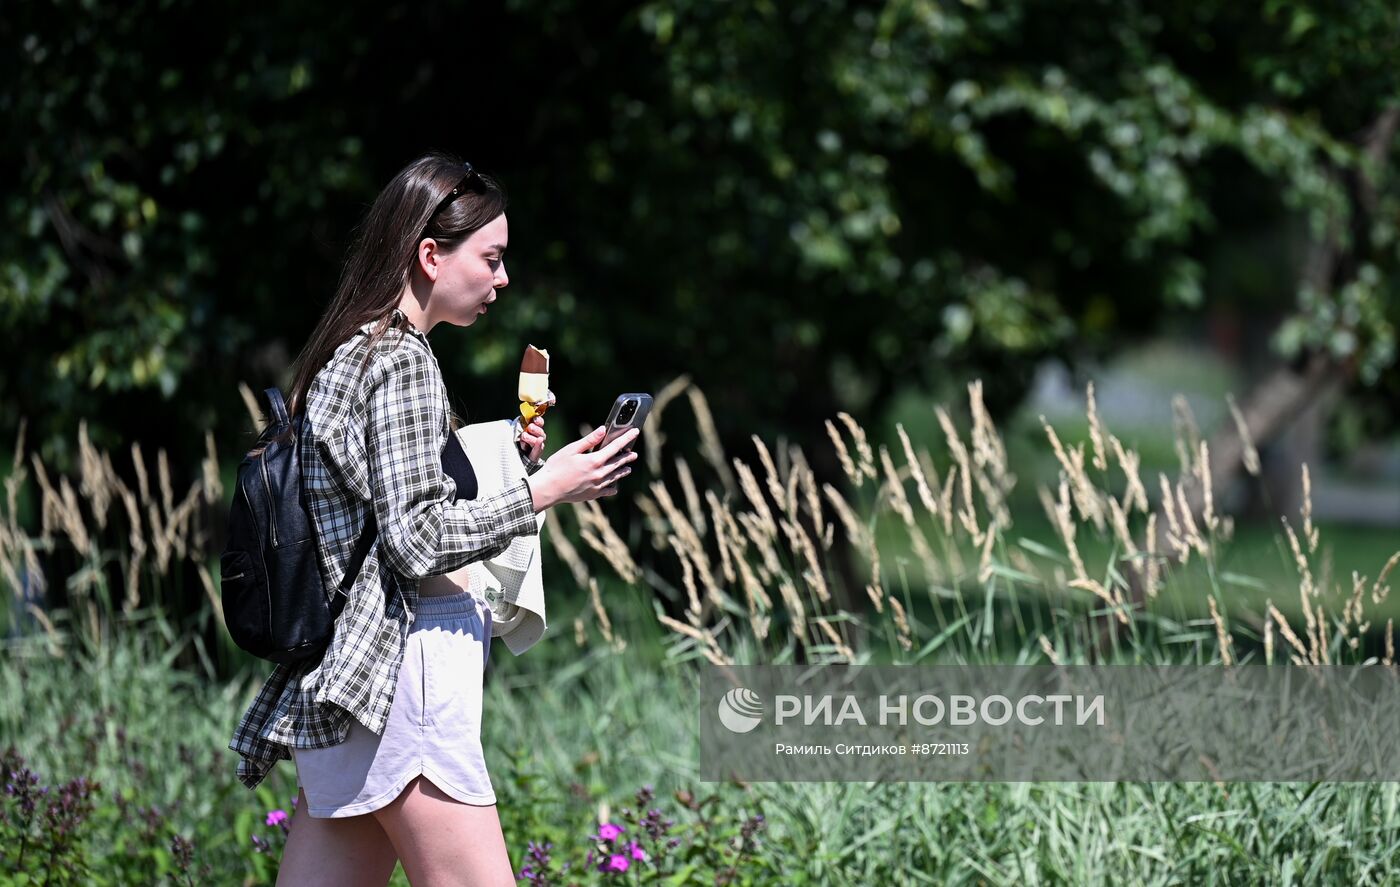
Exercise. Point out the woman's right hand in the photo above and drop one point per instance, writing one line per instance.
(573, 474)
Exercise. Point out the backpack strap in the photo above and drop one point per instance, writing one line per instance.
(279, 406)
(357, 560)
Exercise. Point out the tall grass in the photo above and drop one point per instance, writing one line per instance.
(757, 554)
(758, 549)
(128, 547)
(923, 554)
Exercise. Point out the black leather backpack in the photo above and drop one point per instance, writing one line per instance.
(275, 604)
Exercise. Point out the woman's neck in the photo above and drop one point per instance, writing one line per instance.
(413, 304)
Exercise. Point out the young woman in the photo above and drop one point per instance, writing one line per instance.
(384, 727)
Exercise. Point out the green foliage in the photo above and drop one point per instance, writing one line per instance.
(139, 186)
(154, 739)
(970, 178)
(1351, 325)
(908, 190)
(130, 749)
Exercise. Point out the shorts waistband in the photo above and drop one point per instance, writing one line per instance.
(446, 606)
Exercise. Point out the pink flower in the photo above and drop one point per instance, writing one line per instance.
(615, 863)
(277, 817)
(636, 850)
(608, 832)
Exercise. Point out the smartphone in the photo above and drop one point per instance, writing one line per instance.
(628, 411)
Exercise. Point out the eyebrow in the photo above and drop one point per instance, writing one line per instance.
(497, 246)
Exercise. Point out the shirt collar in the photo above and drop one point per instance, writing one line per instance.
(399, 312)
(407, 324)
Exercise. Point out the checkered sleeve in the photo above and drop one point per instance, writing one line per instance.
(422, 530)
(530, 467)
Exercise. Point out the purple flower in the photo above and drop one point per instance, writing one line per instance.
(609, 832)
(656, 824)
(615, 863)
(183, 850)
(636, 850)
(751, 825)
(277, 817)
(537, 870)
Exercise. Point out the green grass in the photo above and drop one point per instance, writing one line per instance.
(576, 727)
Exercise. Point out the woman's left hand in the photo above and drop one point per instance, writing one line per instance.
(532, 439)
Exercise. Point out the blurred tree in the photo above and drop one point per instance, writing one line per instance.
(916, 188)
(802, 205)
(154, 150)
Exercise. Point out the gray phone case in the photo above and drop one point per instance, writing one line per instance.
(636, 420)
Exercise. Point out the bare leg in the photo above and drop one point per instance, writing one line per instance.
(349, 852)
(442, 841)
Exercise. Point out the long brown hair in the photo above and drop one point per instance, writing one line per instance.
(380, 261)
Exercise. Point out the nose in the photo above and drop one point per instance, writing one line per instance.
(502, 278)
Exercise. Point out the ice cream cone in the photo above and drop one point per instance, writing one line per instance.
(535, 396)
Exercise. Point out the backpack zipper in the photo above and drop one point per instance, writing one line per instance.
(235, 576)
(272, 508)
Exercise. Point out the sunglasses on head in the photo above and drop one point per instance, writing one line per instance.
(470, 181)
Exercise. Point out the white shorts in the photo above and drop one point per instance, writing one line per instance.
(434, 726)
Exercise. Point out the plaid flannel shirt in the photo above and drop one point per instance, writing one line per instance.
(373, 441)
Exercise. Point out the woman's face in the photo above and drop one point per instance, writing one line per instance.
(468, 276)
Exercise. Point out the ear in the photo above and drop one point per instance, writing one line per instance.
(429, 256)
